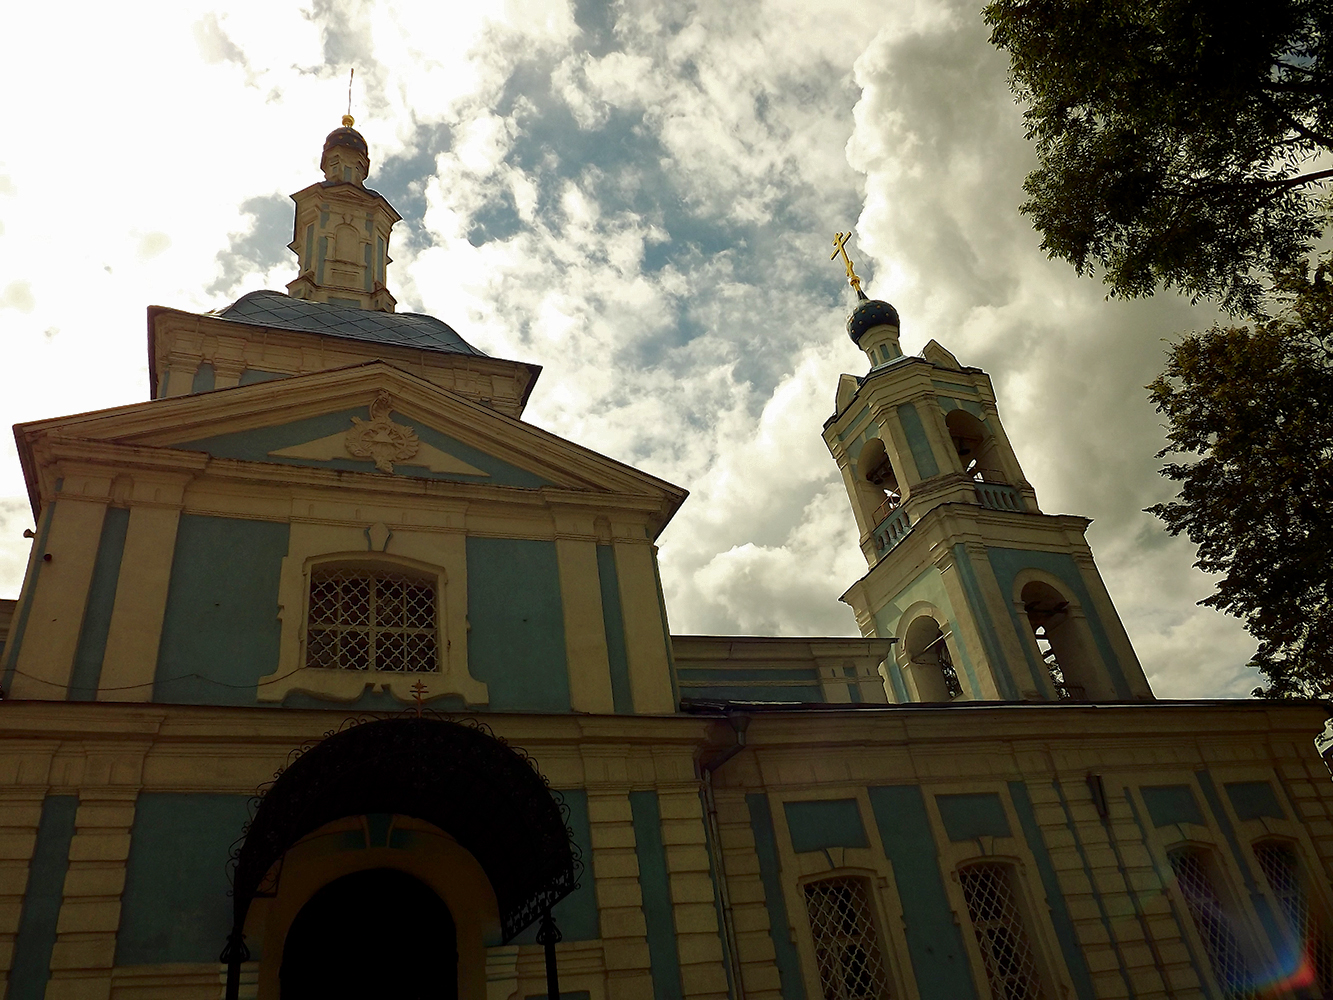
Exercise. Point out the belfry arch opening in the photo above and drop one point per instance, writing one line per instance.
(1058, 642)
(976, 448)
(878, 483)
(930, 662)
(377, 932)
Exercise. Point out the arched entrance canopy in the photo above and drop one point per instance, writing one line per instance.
(461, 778)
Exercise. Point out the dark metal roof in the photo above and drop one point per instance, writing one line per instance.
(282, 312)
(347, 136)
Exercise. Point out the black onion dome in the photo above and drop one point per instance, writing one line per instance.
(870, 313)
(348, 137)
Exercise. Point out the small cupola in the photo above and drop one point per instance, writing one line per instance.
(342, 229)
(873, 327)
(346, 155)
(873, 323)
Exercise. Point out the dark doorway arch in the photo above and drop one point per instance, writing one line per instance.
(459, 777)
(378, 932)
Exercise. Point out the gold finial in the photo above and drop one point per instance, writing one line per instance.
(840, 241)
(348, 120)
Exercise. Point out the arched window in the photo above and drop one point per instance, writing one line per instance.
(1057, 642)
(1194, 871)
(930, 661)
(847, 949)
(367, 618)
(1277, 859)
(997, 920)
(880, 483)
(975, 446)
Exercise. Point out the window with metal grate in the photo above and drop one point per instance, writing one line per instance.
(1280, 866)
(363, 619)
(1194, 875)
(997, 920)
(847, 951)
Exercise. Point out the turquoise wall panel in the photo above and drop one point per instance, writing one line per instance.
(1008, 563)
(770, 875)
(751, 684)
(655, 889)
(1253, 800)
(939, 959)
(1055, 899)
(255, 446)
(967, 817)
(45, 892)
(1171, 804)
(824, 823)
(517, 641)
(614, 623)
(205, 378)
(576, 914)
(87, 670)
(990, 639)
(253, 375)
(220, 632)
(927, 587)
(176, 906)
(917, 441)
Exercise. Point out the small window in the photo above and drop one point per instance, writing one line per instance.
(1194, 874)
(997, 921)
(1283, 872)
(371, 620)
(847, 950)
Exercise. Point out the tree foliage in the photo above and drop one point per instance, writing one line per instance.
(1253, 408)
(1176, 138)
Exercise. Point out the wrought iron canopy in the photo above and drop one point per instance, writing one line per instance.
(484, 793)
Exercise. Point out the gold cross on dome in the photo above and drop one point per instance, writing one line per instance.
(840, 242)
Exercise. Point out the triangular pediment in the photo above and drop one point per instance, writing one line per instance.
(372, 418)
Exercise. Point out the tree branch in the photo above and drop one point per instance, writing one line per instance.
(1294, 123)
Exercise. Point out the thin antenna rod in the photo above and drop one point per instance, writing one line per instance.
(349, 90)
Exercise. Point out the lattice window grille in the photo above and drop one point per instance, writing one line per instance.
(1230, 966)
(371, 620)
(997, 920)
(1282, 870)
(847, 952)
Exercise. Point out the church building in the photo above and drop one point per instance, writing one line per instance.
(331, 676)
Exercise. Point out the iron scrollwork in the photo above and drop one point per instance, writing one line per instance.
(457, 775)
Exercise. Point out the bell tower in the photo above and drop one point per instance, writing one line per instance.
(342, 228)
(987, 597)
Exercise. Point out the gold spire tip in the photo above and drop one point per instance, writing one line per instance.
(348, 121)
(840, 242)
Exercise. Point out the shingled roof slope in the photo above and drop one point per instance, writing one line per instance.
(282, 312)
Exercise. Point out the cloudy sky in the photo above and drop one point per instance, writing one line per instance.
(638, 196)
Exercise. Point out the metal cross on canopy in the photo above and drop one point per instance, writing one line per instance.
(840, 241)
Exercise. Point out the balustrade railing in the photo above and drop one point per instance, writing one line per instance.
(998, 496)
(891, 530)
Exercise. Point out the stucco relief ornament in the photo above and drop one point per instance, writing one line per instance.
(380, 439)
